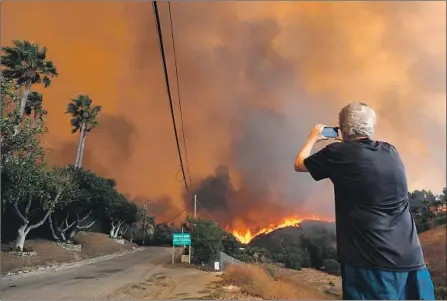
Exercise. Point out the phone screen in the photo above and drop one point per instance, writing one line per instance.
(330, 132)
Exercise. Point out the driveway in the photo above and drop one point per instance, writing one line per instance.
(97, 280)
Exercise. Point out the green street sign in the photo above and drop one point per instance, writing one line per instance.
(181, 239)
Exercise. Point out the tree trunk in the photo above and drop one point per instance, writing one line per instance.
(112, 231)
(78, 153)
(25, 228)
(62, 234)
(21, 235)
(117, 229)
(78, 225)
(115, 234)
(22, 107)
(24, 100)
(72, 233)
(124, 230)
(82, 149)
(53, 233)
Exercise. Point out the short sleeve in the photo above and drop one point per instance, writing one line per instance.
(319, 164)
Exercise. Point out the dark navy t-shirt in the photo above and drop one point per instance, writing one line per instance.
(375, 228)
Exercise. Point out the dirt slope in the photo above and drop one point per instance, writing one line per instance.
(434, 245)
(49, 253)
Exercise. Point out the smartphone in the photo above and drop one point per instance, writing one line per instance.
(330, 132)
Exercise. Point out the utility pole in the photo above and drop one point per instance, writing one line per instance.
(195, 205)
(144, 222)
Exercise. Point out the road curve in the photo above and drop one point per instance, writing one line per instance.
(93, 281)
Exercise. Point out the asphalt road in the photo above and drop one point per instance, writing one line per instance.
(93, 281)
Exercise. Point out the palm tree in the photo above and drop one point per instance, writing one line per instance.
(26, 63)
(34, 105)
(83, 120)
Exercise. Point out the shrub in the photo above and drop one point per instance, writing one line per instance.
(331, 266)
(441, 292)
(441, 220)
(293, 261)
(421, 227)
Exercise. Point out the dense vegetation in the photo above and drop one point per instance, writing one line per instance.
(428, 209)
(65, 198)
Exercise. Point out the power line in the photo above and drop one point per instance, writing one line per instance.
(207, 212)
(178, 91)
(174, 217)
(168, 89)
(160, 39)
(177, 177)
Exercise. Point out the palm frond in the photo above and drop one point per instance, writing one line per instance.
(82, 112)
(27, 62)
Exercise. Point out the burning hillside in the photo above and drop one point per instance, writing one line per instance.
(245, 236)
(234, 206)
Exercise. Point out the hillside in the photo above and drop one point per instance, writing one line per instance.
(306, 227)
(434, 245)
(49, 253)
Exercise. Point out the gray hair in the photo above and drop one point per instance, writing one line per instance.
(357, 120)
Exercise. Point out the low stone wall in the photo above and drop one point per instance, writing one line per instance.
(70, 247)
(29, 254)
(67, 264)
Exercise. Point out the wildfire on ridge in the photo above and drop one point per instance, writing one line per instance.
(246, 237)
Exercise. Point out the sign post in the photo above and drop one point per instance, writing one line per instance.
(181, 239)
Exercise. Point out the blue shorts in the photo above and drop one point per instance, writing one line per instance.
(369, 284)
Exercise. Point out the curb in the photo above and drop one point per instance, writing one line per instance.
(31, 271)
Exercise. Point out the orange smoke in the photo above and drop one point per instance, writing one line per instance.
(245, 236)
(254, 78)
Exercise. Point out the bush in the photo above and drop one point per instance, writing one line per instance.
(421, 227)
(331, 266)
(207, 240)
(441, 292)
(296, 259)
(305, 258)
(244, 257)
(293, 261)
(441, 220)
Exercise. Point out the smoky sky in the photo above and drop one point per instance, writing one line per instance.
(113, 138)
(254, 78)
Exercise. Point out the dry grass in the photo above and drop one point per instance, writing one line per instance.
(99, 244)
(434, 245)
(49, 253)
(325, 283)
(287, 284)
(256, 280)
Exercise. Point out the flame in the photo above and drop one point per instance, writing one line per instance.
(246, 237)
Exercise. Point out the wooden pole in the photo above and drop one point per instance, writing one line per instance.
(189, 253)
(195, 206)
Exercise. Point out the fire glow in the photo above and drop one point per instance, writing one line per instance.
(245, 236)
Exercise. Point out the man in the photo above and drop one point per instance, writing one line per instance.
(377, 243)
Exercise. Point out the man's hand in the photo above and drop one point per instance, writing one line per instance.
(314, 137)
(316, 134)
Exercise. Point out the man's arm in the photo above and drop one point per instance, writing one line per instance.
(320, 165)
(303, 154)
(306, 150)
